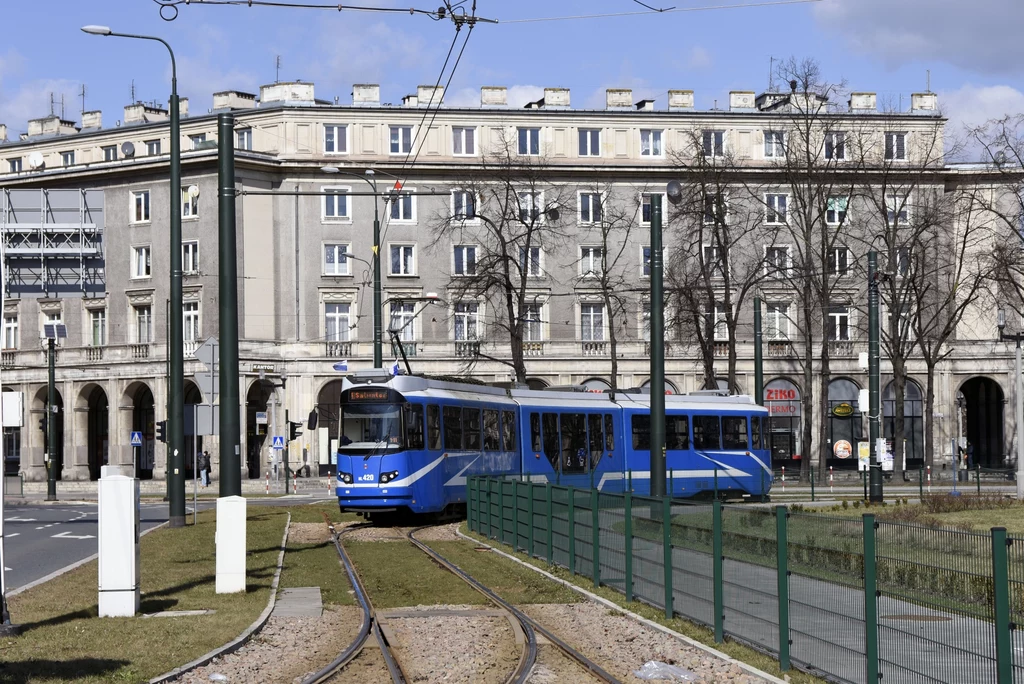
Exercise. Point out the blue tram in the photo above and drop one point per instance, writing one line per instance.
(409, 442)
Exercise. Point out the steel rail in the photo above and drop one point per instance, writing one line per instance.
(530, 626)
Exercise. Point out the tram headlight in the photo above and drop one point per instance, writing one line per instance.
(388, 477)
(345, 477)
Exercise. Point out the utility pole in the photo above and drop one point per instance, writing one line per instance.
(51, 424)
(758, 358)
(875, 494)
(230, 429)
(1018, 381)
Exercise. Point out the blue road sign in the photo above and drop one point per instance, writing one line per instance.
(136, 439)
(278, 442)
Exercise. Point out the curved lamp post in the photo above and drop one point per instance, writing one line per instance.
(1019, 392)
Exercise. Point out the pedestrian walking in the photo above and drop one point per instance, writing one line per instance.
(204, 468)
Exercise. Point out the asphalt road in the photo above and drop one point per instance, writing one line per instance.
(40, 539)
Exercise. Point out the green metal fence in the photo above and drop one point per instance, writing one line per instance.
(852, 600)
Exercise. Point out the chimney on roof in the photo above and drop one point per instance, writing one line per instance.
(92, 120)
(556, 98)
(926, 103)
(536, 104)
(366, 95)
(429, 95)
(618, 98)
(292, 92)
(140, 112)
(741, 100)
(680, 100)
(182, 107)
(50, 125)
(645, 106)
(494, 96)
(3, 132)
(410, 101)
(862, 103)
(233, 99)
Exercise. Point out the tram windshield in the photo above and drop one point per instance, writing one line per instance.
(370, 428)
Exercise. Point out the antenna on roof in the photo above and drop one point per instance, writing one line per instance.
(771, 74)
(62, 105)
(277, 69)
(81, 93)
(927, 80)
(133, 91)
(51, 104)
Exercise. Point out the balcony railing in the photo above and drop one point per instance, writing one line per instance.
(467, 349)
(780, 349)
(339, 350)
(667, 346)
(840, 348)
(7, 359)
(94, 353)
(139, 351)
(190, 347)
(533, 349)
(721, 349)
(409, 347)
(595, 348)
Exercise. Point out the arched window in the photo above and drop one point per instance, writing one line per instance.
(596, 385)
(845, 426)
(670, 387)
(913, 420)
(536, 383)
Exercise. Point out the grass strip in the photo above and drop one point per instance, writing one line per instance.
(317, 564)
(64, 639)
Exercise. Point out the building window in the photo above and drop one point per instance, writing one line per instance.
(839, 261)
(335, 139)
(467, 321)
(533, 330)
(645, 207)
(895, 146)
(403, 315)
(189, 204)
(776, 208)
(590, 207)
(401, 139)
(774, 145)
(591, 261)
(590, 142)
(835, 210)
(336, 260)
(109, 153)
(835, 146)
(10, 332)
(190, 256)
(67, 158)
(839, 322)
(140, 206)
(650, 143)
(336, 203)
(197, 140)
(896, 206)
(529, 261)
(715, 319)
(645, 261)
(714, 209)
(463, 205)
(190, 321)
(152, 147)
(337, 321)
(403, 208)
(645, 320)
(777, 321)
(243, 139)
(142, 266)
(465, 260)
(531, 206)
(592, 322)
(713, 261)
(714, 143)
(463, 141)
(529, 141)
(143, 323)
(403, 260)
(904, 261)
(776, 261)
(14, 165)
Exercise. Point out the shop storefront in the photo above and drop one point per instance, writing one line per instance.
(845, 424)
(782, 399)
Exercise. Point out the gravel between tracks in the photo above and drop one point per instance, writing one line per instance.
(621, 645)
(286, 649)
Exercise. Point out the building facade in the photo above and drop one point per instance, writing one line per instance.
(555, 199)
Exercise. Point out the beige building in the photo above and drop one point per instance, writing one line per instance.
(83, 210)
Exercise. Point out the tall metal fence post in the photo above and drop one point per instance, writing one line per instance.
(812, 482)
(782, 567)
(870, 600)
(627, 532)
(629, 476)
(671, 484)
(469, 504)
(666, 541)
(550, 530)
(595, 523)
(515, 515)
(572, 531)
(920, 484)
(529, 512)
(501, 513)
(977, 477)
(487, 508)
(716, 550)
(1001, 595)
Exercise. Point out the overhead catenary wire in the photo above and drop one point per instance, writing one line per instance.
(613, 15)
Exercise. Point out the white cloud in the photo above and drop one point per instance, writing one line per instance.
(32, 101)
(519, 95)
(698, 58)
(983, 35)
(970, 106)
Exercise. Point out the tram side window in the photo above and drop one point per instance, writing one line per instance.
(471, 426)
(491, 431)
(755, 432)
(641, 432)
(677, 432)
(534, 433)
(574, 443)
(508, 425)
(609, 431)
(594, 422)
(551, 445)
(433, 426)
(734, 432)
(413, 426)
(706, 433)
(452, 427)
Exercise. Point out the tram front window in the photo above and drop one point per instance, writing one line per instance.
(371, 428)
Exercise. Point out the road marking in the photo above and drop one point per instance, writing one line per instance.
(69, 536)
(8, 569)
(19, 519)
(12, 534)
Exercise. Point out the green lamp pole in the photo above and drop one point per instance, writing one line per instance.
(175, 342)
(657, 352)
(227, 285)
(758, 354)
(874, 405)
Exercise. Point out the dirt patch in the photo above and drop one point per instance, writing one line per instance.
(439, 533)
(308, 533)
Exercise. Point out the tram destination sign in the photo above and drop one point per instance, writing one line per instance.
(370, 394)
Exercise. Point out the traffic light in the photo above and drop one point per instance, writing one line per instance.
(161, 431)
(293, 430)
(42, 424)
(314, 415)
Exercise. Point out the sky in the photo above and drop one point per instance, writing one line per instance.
(971, 49)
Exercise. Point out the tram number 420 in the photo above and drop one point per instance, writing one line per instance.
(367, 477)
(780, 394)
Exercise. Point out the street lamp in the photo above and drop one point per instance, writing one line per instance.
(175, 342)
(1019, 382)
(369, 177)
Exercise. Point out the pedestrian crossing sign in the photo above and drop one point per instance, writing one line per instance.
(278, 442)
(136, 439)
